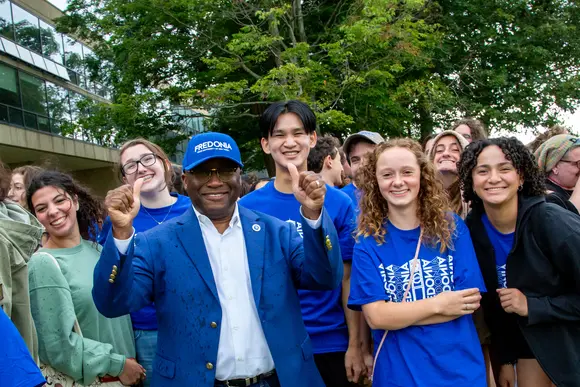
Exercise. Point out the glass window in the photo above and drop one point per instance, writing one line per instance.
(9, 94)
(73, 52)
(51, 42)
(30, 120)
(26, 29)
(16, 116)
(58, 106)
(6, 28)
(33, 94)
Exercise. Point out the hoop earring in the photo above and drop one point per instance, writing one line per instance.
(521, 188)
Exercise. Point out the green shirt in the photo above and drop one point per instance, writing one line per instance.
(58, 297)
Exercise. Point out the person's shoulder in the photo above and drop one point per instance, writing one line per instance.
(43, 267)
(183, 201)
(338, 196)
(554, 215)
(255, 196)
(348, 188)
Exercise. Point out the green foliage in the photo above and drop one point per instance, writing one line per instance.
(397, 67)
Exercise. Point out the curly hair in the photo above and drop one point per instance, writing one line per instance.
(515, 151)
(91, 211)
(478, 130)
(437, 223)
(325, 146)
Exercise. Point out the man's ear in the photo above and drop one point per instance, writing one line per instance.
(313, 139)
(265, 145)
(327, 162)
(184, 181)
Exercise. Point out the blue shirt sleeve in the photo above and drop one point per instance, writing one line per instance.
(467, 273)
(346, 231)
(366, 284)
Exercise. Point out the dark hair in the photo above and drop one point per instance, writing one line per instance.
(5, 178)
(91, 211)
(478, 130)
(325, 146)
(262, 180)
(427, 139)
(177, 184)
(522, 159)
(270, 116)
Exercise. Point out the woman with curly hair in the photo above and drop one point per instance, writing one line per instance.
(61, 281)
(528, 254)
(415, 273)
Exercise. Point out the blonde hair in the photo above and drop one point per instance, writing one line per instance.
(436, 222)
(157, 151)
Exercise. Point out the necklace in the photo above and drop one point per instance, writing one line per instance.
(166, 215)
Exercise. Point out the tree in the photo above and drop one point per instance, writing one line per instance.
(397, 67)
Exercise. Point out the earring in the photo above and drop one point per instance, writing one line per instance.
(521, 187)
(78, 206)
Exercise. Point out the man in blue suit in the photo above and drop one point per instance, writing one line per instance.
(223, 278)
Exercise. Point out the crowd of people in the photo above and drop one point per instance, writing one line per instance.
(448, 263)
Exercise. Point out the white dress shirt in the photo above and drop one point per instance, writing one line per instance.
(242, 350)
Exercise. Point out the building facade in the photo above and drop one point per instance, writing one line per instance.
(46, 86)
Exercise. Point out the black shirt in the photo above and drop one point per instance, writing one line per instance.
(560, 196)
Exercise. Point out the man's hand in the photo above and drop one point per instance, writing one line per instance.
(354, 363)
(513, 301)
(309, 189)
(123, 204)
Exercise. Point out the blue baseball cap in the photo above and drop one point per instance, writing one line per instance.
(210, 145)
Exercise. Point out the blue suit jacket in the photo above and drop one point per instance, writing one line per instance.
(170, 266)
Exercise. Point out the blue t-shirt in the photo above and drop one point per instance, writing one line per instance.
(502, 245)
(146, 319)
(322, 311)
(17, 368)
(353, 193)
(446, 354)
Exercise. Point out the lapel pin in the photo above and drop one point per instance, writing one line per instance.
(256, 227)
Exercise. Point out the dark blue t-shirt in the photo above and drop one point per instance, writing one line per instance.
(17, 368)
(147, 218)
(502, 245)
(353, 193)
(436, 355)
(322, 311)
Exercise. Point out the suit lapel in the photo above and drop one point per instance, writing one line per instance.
(255, 236)
(189, 234)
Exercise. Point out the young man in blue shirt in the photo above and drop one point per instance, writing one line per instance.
(288, 133)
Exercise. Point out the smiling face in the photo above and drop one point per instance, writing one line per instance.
(154, 174)
(495, 179)
(214, 197)
(289, 142)
(447, 154)
(17, 191)
(56, 210)
(398, 177)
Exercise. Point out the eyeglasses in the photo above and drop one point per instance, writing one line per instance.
(576, 163)
(204, 175)
(146, 160)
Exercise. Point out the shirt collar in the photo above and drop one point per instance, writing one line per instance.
(234, 222)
